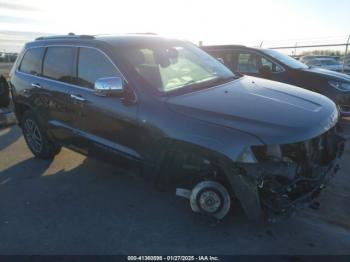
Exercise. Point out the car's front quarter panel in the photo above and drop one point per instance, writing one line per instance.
(160, 123)
(163, 129)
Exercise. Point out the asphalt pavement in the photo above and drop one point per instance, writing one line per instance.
(76, 205)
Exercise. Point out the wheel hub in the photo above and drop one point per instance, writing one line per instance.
(33, 135)
(209, 201)
(210, 197)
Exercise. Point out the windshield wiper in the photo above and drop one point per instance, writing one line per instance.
(219, 81)
(197, 85)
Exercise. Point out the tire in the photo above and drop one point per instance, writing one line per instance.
(4, 93)
(210, 198)
(37, 138)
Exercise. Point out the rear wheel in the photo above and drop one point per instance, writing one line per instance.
(37, 138)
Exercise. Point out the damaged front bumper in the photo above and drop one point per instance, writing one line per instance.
(286, 177)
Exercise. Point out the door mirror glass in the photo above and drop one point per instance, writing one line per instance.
(109, 86)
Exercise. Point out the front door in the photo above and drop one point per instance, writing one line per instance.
(109, 124)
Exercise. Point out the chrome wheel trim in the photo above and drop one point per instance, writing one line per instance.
(33, 135)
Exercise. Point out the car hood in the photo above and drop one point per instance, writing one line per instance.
(276, 113)
(328, 73)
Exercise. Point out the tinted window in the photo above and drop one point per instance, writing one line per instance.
(228, 57)
(59, 64)
(251, 63)
(31, 62)
(93, 65)
(273, 67)
(248, 63)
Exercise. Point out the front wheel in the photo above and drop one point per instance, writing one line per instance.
(210, 198)
(36, 137)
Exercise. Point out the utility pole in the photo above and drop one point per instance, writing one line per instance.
(346, 52)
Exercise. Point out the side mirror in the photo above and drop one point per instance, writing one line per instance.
(265, 70)
(220, 60)
(109, 86)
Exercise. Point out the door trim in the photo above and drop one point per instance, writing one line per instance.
(99, 141)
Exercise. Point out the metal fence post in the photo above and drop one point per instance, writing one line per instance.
(346, 52)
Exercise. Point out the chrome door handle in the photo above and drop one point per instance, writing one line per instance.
(77, 97)
(36, 85)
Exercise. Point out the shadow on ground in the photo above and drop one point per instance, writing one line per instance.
(8, 136)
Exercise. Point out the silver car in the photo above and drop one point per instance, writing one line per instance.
(328, 63)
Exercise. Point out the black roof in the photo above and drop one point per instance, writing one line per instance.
(94, 40)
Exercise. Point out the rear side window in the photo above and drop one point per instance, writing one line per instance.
(92, 65)
(31, 62)
(248, 62)
(228, 57)
(59, 64)
(251, 63)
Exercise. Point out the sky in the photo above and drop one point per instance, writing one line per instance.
(249, 22)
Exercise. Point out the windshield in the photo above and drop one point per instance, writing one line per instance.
(285, 59)
(168, 66)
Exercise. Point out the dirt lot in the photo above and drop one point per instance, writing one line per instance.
(76, 205)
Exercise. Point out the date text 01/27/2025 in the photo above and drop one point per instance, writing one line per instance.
(173, 258)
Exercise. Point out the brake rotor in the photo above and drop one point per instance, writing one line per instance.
(212, 198)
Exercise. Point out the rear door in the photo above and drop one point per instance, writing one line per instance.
(58, 79)
(27, 80)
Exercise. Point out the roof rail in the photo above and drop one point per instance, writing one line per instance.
(69, 36)
(222, 46)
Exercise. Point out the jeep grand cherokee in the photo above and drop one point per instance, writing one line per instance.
(171, 107)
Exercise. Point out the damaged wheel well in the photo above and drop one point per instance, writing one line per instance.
(193, 162)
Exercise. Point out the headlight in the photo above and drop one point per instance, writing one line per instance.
(342, 86)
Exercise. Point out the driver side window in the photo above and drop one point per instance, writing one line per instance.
(273, 67)
(251, 63)
(92, 65)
